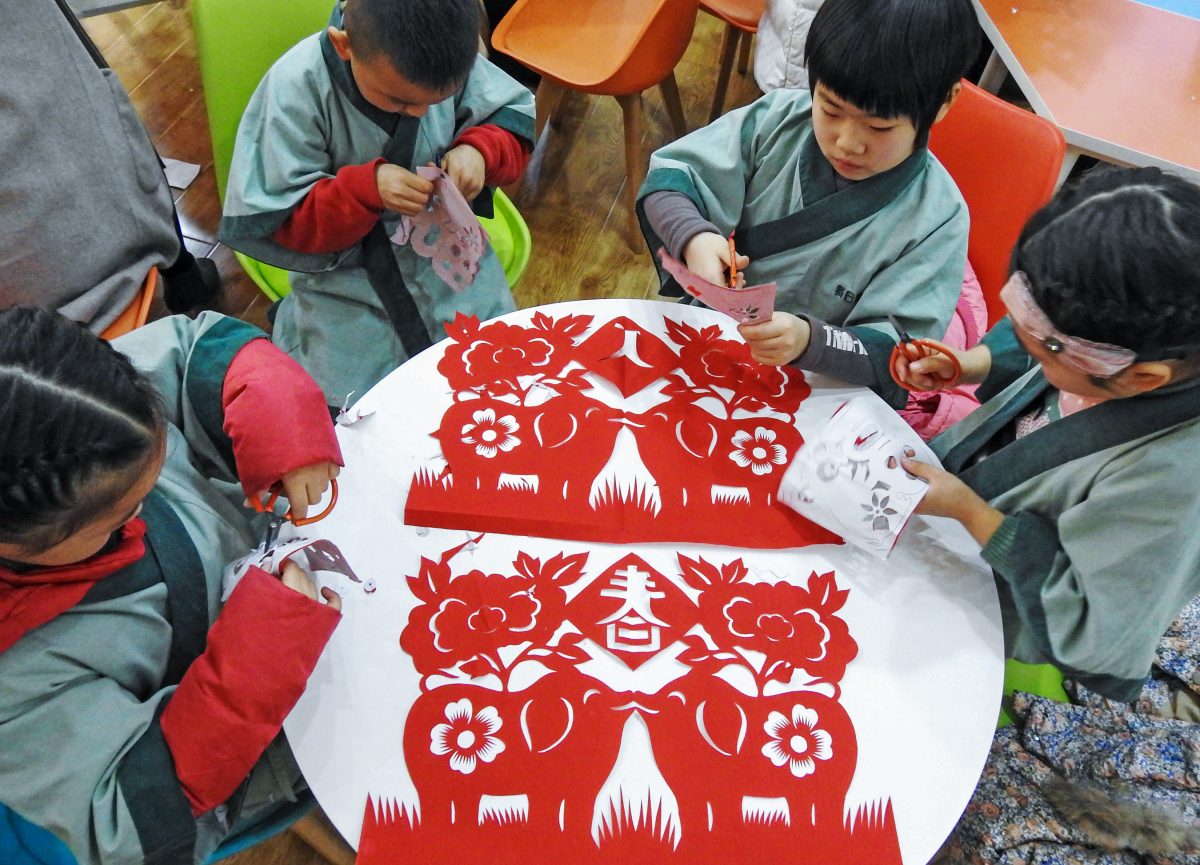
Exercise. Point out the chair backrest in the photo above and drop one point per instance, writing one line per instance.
(138, 311)
(610, 47)
(1005, 161)
(236, 43)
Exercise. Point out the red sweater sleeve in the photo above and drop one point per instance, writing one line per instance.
(276, 416)
(504, 154)
(232, 700)
(337, 212)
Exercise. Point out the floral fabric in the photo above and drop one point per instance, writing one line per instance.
(1137, 753)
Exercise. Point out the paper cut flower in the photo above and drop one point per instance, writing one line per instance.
(485, 612)
(795, 742)
(759, 451)
(467, 737)
(504, 351)
(773, 622)
(878, 513)
(490, 434)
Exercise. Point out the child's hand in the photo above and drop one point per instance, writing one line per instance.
(950, 497)
(294, 578)
(931, 373)
(707, 256)
(305, 486)
(466, 169)
(780, 340)
(402, 191)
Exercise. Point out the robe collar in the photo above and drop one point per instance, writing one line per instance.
(31, 597)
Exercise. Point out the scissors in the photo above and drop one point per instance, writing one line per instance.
(733, 271)
(915, 349)
(271, 532)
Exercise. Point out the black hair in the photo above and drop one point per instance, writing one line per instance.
(893, 58)
(432, 43)
(1115, 257)
(76, 412)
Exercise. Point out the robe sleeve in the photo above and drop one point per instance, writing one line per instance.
(268, 418)
(1097, 585)
(491, 97)
(232, 700)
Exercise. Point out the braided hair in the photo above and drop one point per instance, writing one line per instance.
(1115, 258)
(76, 415)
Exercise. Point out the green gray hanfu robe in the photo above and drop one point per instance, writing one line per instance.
(1099, 549)
(895, 243)
(355, 315)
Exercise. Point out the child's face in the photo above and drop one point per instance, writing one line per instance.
(859, 145)
(132, 487)
(380, 83)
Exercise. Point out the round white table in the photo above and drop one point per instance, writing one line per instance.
(620, 691)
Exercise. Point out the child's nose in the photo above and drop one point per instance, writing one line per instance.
(850, 142)
(415, 110)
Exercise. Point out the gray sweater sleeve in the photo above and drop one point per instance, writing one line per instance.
(856, 355)
(676, 219)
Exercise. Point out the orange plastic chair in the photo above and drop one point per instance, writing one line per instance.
(1005, 161)
(137, 312)
(741, 23)
(607, 47)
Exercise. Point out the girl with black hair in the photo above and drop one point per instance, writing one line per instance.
(139, 717)
(1086, 504)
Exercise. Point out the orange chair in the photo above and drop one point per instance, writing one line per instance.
(137, 312)
(1005, 161)
(607, 47)
(741, 23)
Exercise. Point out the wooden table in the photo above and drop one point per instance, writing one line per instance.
(555, 699)
(1120, 78)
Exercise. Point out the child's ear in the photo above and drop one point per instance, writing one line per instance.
(1147, 375)
(950, 100)
(341, 42)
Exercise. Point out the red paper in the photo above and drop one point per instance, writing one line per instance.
(524, 744)
(690, 447)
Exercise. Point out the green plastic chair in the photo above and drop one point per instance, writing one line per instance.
(236, 43)
(1043, 680)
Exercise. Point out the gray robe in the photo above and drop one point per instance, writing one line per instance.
(1098, 551)
(355, 315)
(85, 210)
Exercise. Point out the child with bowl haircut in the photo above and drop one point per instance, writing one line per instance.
(833, 194)
(325, 165)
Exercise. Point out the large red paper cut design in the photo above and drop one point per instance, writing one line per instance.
(523, 744)
(613, 435)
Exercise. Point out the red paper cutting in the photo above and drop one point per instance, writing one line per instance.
(520, 745)
(690, 447)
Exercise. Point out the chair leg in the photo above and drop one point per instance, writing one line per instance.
(729, 46)
(635, 169)
(549, 97)
(670, 93)
(316, 831)
(746, 40)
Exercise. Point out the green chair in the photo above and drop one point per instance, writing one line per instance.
(1044, 680)
(236, 43)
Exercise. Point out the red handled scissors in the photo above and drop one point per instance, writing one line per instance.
(276, 522)
(915, 349)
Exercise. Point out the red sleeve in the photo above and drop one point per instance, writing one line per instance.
(504, 154)
(232, 700)
(276, 416)
(337, 212)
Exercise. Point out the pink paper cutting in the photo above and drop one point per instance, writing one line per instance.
(446, 231)
(748, 305)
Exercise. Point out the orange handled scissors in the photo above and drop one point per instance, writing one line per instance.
(915, 349)
(733, 271)
(276, 522)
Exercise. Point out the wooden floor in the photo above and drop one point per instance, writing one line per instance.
(571, 197)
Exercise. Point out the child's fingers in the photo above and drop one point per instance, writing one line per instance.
(294, 578)
(919, 469)
(332, 598)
